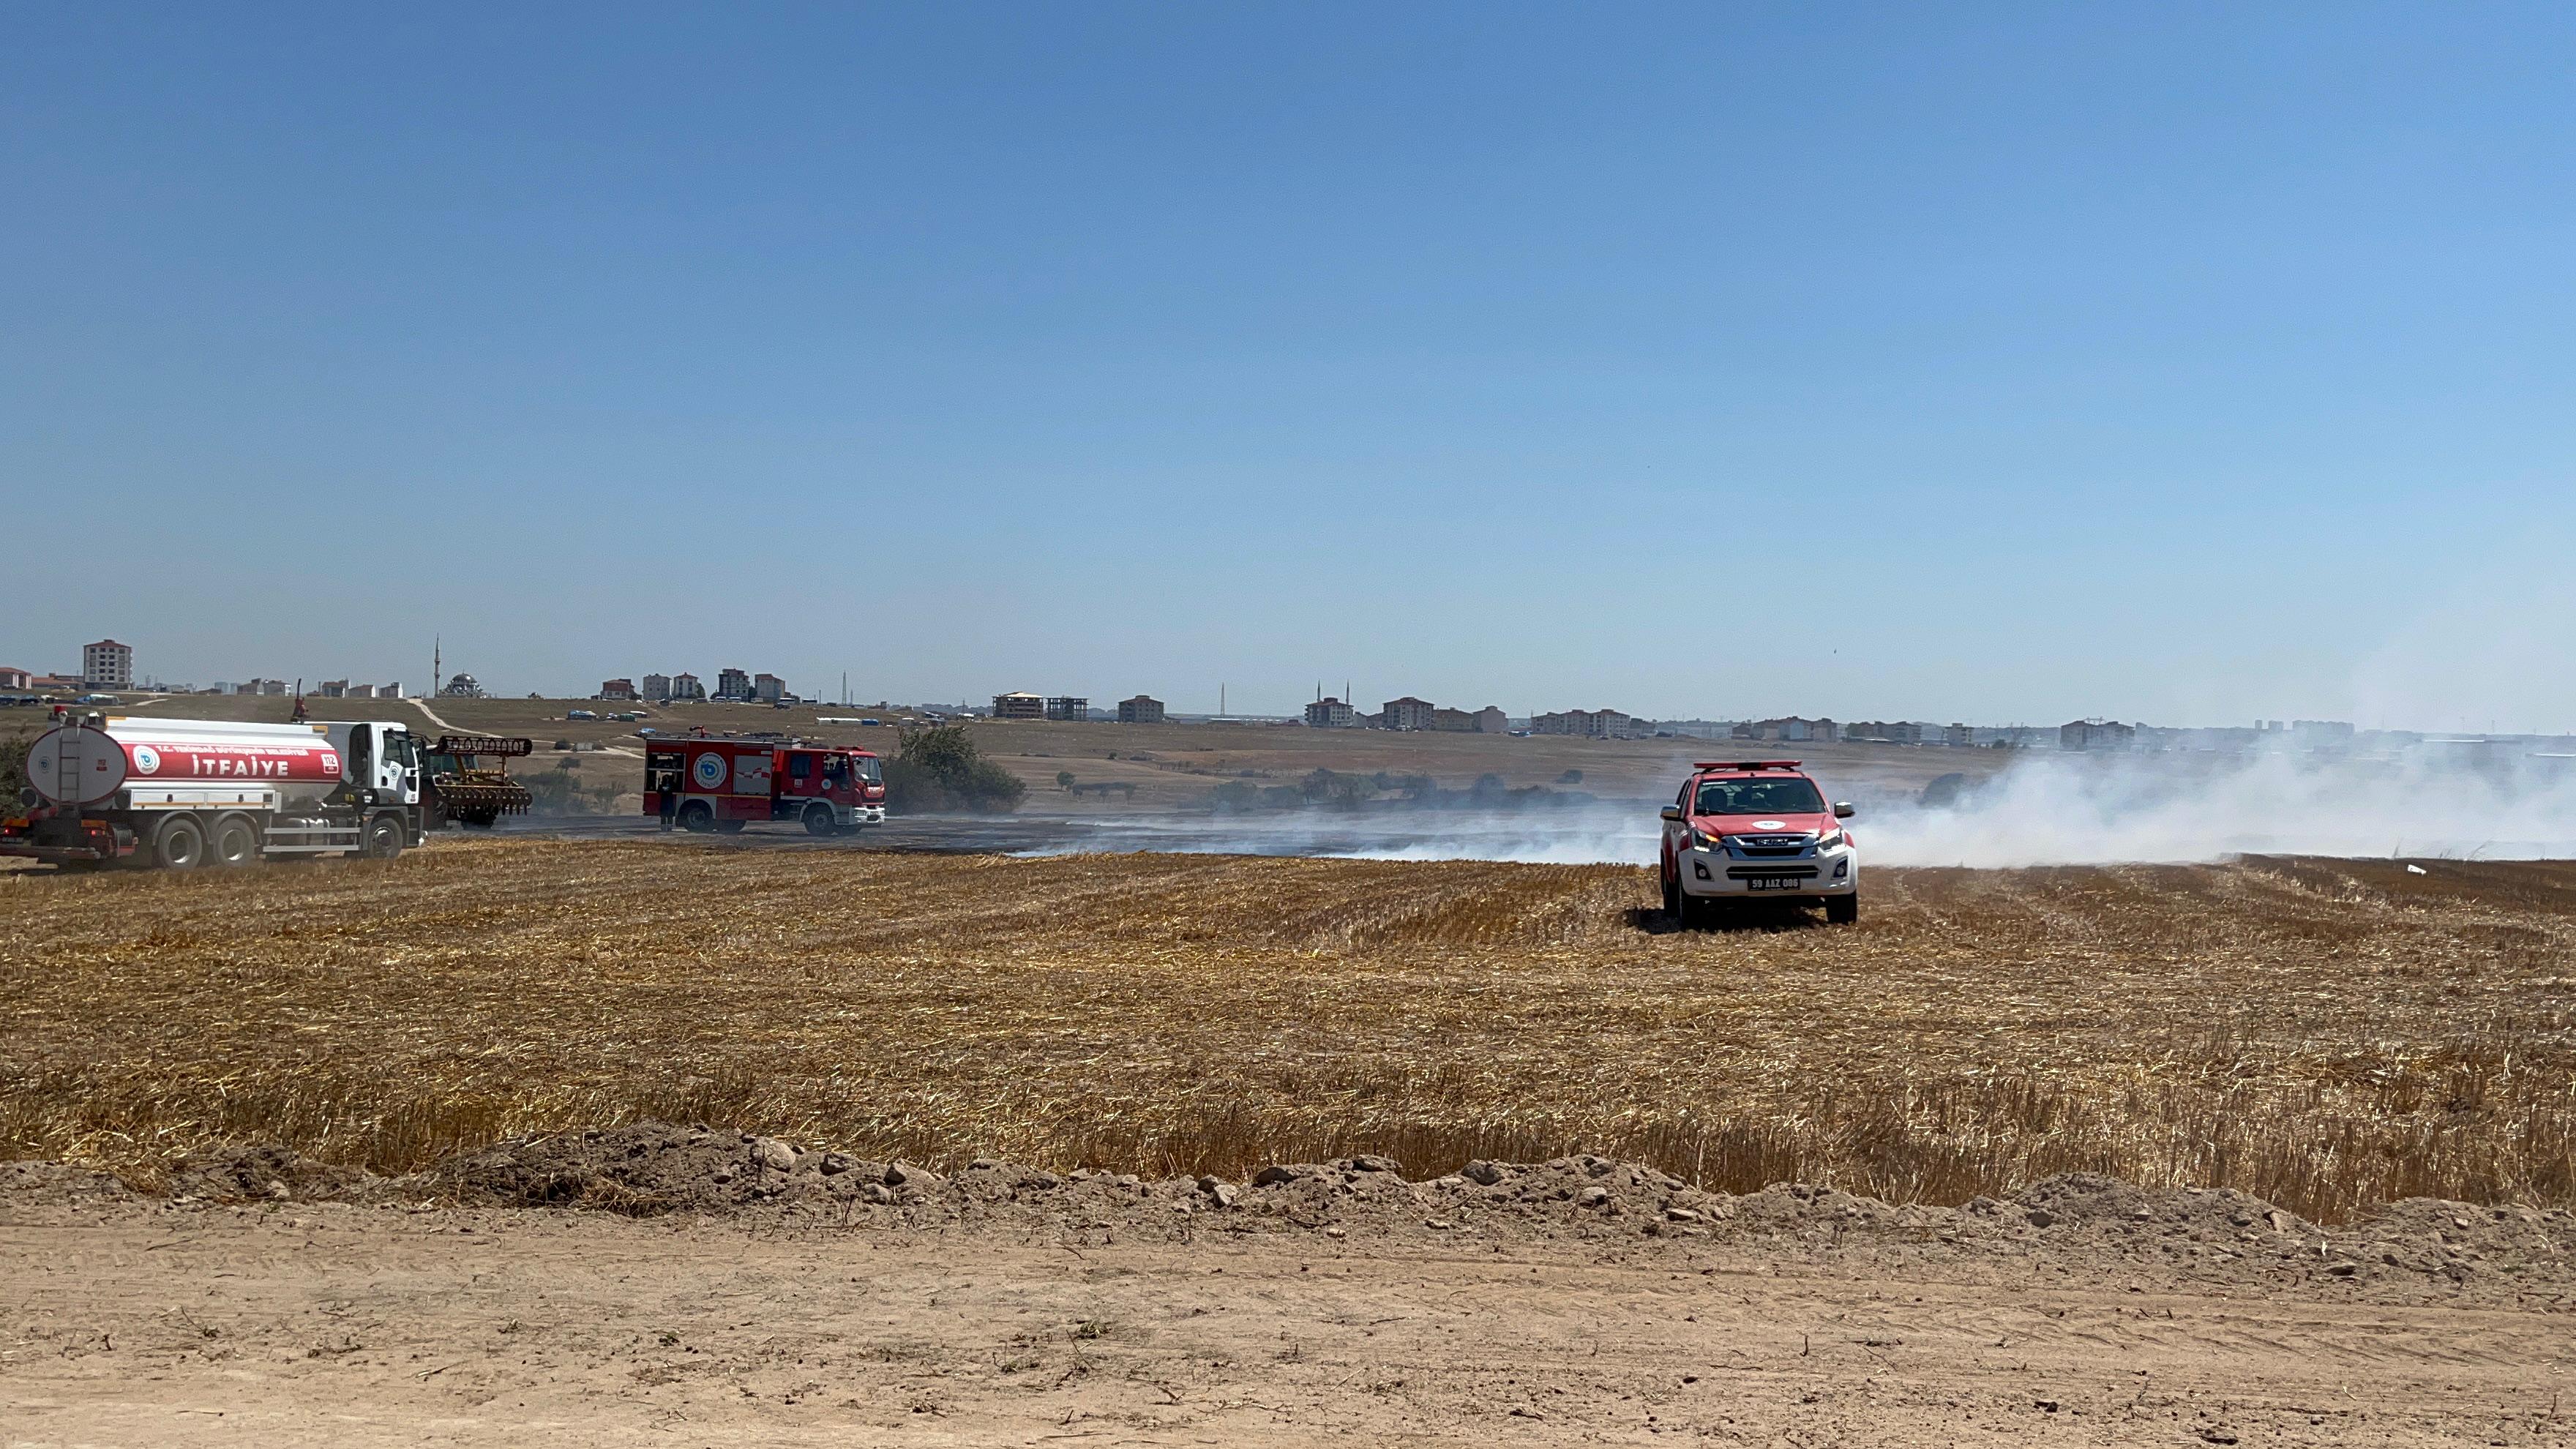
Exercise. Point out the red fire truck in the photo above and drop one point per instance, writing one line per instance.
(704, 784)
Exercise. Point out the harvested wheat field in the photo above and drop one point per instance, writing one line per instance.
(2326, 1034)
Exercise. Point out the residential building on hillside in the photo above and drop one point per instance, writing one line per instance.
(1887, 732)
(686, 687)
(331, 689)
(12, 677)
(1019, 704)
(617, 689)
(2095, 734)
(1599, 724)
(732, 684)
(1790, 730)
(1329, 713)
(1958, 736)
(1068, 707)
(769, 689)
(1407, 713)
(1143, 709)
(657, 689)
(107, 665)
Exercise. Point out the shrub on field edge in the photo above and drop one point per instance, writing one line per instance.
(940, 768)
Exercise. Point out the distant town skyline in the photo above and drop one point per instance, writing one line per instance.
(2181, 364)
(735, 683)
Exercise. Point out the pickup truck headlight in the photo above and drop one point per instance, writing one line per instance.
(1704, 840)
(1828, 840)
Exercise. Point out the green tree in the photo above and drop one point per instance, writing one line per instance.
(14, 744)
(1064, 779)
(940, 768)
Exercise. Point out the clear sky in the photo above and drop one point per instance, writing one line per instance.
(1997, 363)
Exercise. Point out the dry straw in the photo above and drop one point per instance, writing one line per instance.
(2327, 1034)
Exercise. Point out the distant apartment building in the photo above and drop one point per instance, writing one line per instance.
(1071, 707)
(618, 689)
(1884, 732)
(1019, 704)
(1958, 736)
(1407, 713)
(1598, 724)
(375, 691)
(2317, 734)
(107, 665)
(732, 684)
(1790, 730)
(657, 689)
(1143, 709)
(12, 677)
(1329, 713)
(2096, 734)
(686, 686)
(331, 689)
(769, 689)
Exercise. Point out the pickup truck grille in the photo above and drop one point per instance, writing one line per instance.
(1794, 872)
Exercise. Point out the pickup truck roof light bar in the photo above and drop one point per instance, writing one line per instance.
(1745, 765)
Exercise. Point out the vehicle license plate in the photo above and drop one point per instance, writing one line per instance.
(1773, 882)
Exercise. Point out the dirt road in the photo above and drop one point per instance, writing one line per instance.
(336, 1324)
(809, 1297)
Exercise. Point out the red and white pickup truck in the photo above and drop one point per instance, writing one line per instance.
(1757, 830)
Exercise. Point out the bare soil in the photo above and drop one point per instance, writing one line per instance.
(743, 1289)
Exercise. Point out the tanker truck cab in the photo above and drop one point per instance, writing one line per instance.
(382, 761)
(179, 793)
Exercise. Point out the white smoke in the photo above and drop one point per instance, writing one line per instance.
(2487, 801)
(1606, 833)
(2503, 800)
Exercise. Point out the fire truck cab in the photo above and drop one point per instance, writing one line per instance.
(723, 785)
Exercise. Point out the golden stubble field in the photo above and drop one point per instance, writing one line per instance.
(2324, 1033)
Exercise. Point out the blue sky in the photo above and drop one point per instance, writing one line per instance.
(2000, 363)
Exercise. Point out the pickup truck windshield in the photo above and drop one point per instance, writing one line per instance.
(1759, 797)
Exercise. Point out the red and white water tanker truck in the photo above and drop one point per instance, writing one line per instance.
(178, 793)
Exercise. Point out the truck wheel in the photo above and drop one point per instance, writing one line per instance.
(697, 817)
(728, 827)
(234, 841)
(1843, 910)
(179, 844)
(383, 840)
(818, 820)
(1673, 897)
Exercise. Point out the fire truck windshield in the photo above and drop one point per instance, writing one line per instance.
(1758, 797)
(867, 768)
